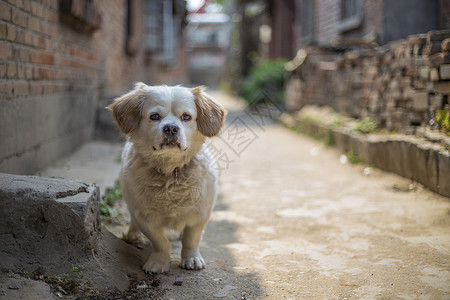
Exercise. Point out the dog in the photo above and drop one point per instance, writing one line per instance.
(168, 179)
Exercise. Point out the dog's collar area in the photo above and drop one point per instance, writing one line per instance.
(175, 172)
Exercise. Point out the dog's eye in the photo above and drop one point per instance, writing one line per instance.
(155, 117)
(186, 117)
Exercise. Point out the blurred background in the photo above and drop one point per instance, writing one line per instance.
(63, 61)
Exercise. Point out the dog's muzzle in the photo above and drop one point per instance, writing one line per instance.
(170, 136)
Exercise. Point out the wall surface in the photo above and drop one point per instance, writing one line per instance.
(401, 86)
(57, 68)
(48, 86)
(404, 17)
(380, 21)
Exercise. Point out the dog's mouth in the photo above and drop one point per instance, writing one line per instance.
(168, 143)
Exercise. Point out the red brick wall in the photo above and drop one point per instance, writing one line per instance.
(52, 76)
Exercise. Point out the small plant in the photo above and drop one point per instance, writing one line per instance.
(267, 77)
(329, 139)
(443, 119)
(366, 126)
(353, 158)
(77, 270)
(108, 213)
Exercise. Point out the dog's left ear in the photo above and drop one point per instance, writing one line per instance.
(126, 109)
(210, 115)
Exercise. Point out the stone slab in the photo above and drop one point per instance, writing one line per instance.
(46, 217)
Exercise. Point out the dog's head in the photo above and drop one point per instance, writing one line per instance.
(167, 118)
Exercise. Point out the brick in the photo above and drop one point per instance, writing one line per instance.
(432, 48)
(417, 39)
(443, 87)
(41, 58)
(19, 18)
(436, 101)
(446, 45)
(36, 89)
(2, 70)
(34, 24)
(419, 100)
(3, 31)
(424, 73)
(5, 12)
(21, 54)
(438, 36)
(5, 51)
(12, 70)
(434, 74)
(438, 59)
(444, 72)
(20, 71)
(21, 89)
(11, 32)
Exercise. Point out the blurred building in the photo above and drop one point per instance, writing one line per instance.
(335, 22)
(61, 61)
(207, 46)
(277, 29)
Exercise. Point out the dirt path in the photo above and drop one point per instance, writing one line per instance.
(294, 222)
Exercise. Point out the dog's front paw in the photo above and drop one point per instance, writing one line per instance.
(157, 263)
(193, 262)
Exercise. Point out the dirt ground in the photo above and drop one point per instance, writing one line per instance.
(295, 220)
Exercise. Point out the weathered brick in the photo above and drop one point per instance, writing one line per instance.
(436, 101)
(6, 51)
(438, 36)
(34, 24)
(11, 32)
(2, 70)
(12, 70)
(19, 18)
(419, 100)
(424, 73)
(438, 59)
(41, 58)
(21, 89)
(434, 74)
(443, 87)
(446, 45)
(444, 72)
(432, 48)
(3, 31)
(5, 12)
(417, 39)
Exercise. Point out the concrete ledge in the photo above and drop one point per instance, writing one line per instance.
(412, 157)
(46, 218)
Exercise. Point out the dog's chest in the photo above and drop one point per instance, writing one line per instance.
(174, 195)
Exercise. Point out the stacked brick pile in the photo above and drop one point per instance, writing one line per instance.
(401, 85)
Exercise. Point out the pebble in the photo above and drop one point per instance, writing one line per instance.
(178, 281)
(142, 286)
(13, 287)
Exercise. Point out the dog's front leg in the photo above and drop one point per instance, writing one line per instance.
(159, 259)
(191, 258)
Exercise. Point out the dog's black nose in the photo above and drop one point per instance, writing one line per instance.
(171, 129)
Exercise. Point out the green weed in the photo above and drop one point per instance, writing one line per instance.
(353, 158)
(366, 126)
(108, 214)
(443, 119)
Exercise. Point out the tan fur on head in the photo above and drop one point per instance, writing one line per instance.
(126, 109)
(210, 115)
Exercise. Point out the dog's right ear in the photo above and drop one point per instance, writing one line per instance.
(126, 109)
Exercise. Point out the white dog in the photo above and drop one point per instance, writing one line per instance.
(168, 180)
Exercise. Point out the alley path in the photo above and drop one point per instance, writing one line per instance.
(294, 222)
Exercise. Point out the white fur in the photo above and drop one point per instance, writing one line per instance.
(167, 187)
